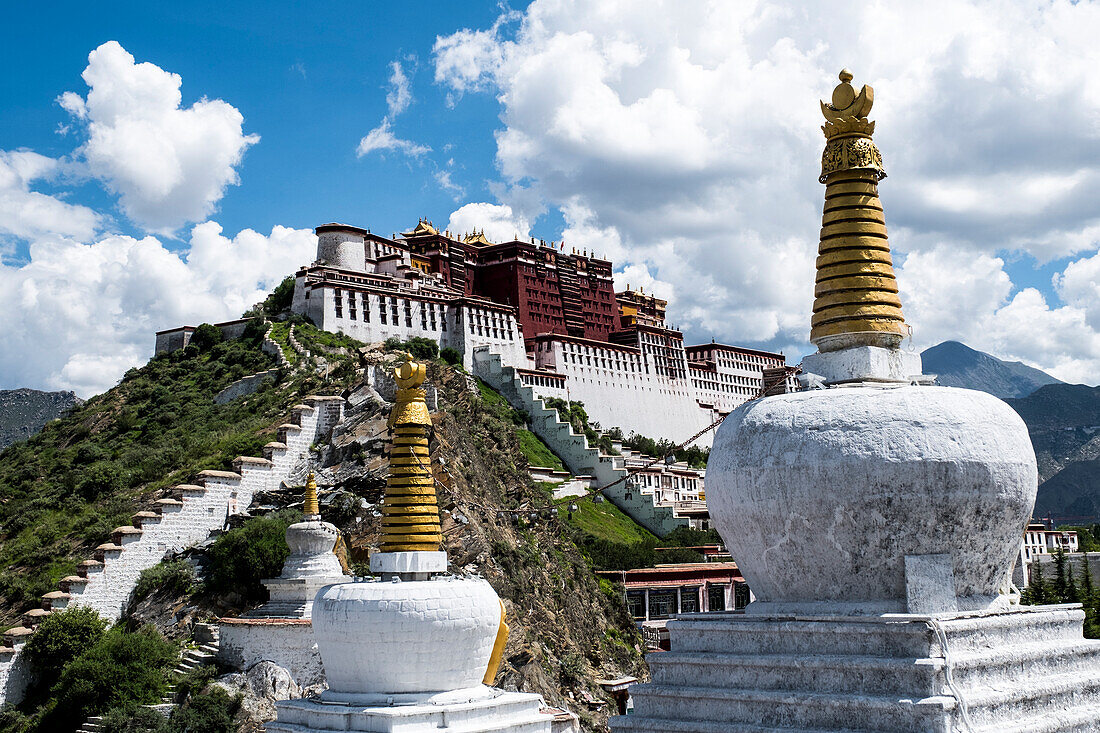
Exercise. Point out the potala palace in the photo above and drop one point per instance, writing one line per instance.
(550, 315)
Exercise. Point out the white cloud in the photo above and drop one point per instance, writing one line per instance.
(25, 213)
(499, 222)
(399, 96)
(78, 315)
(168, 164)
(382, 138)
(443, 178)
(685, 137)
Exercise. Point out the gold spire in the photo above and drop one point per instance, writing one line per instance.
(311, 508)
(410, 515)
(856, 295)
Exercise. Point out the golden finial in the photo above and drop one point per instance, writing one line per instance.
(311, 508)
(856, 296)
(410, 514)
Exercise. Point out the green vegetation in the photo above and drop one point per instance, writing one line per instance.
(605, 521)
(211, 711)
(536, 452)
(1065, 588)
(420, 347)
(63, 491)
(1088, 538)
(176, 576)
(694, 456)
(451, 355)
(242, 557)
(61, 638)
(280, 299)
(141, 720)
(118, 670)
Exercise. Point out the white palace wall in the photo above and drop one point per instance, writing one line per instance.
(618, 389)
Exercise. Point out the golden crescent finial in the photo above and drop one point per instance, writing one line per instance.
(846, 103)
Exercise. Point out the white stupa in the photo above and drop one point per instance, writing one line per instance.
(876, 521)
(280, 631)
(415, 650)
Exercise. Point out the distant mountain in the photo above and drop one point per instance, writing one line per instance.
(23, 412)
(958, 365)
(1064, 423)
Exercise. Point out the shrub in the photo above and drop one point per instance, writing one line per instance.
(206, 336)
(393, 344)
(422, 348)
(450, 355)
(140, 720)
(242, 557)
(61, 638)
(123, 670)
(208, 712)
(175, 576)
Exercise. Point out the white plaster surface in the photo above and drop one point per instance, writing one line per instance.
(380, 639)
(820, 495)
(493, 711)
(408, 562)
(872, 363)
(311, 556)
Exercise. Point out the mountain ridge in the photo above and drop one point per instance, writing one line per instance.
(957, 365)
(24, 412)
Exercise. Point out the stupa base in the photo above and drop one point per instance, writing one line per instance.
(496, 711)
(1025, 670)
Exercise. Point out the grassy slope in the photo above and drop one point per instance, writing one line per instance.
(63, 491)
(606, 521)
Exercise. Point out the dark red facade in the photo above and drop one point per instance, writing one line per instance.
(552, 291)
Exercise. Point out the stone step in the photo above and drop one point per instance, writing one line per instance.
(991, 667)
(794, 672)
(798, 710)
(1029, 624)
(1033, 697)
(627, 723)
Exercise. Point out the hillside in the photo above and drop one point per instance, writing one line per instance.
(1064, 423)
(957, 365)
(62, 492)
(23, 412)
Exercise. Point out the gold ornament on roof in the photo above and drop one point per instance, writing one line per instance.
(311, 508)
(856, 295)
(410, 513)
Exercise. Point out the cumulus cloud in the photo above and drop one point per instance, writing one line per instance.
(26, 213)
(500, 222)
(78, 315)
(168, 164)
(685, 137)
(382, 138)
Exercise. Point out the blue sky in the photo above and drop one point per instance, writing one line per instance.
(310, 79)
(680, 139)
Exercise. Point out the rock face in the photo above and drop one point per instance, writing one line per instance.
(821, 495)
(23, 412)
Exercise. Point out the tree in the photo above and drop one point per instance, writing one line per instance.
(1089, 600)
(1072, 594)
(208, 712)
(241, 558)
(422, 348)
(61, 638)
(1060, 586)
(1036, 593)
(205, 336)
(280, 298)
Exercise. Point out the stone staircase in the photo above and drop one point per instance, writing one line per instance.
(105, 581)
(1022, 671)
(578, 456)
(203, 653)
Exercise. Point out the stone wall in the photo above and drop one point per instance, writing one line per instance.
(288, 643)
(105, 582)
